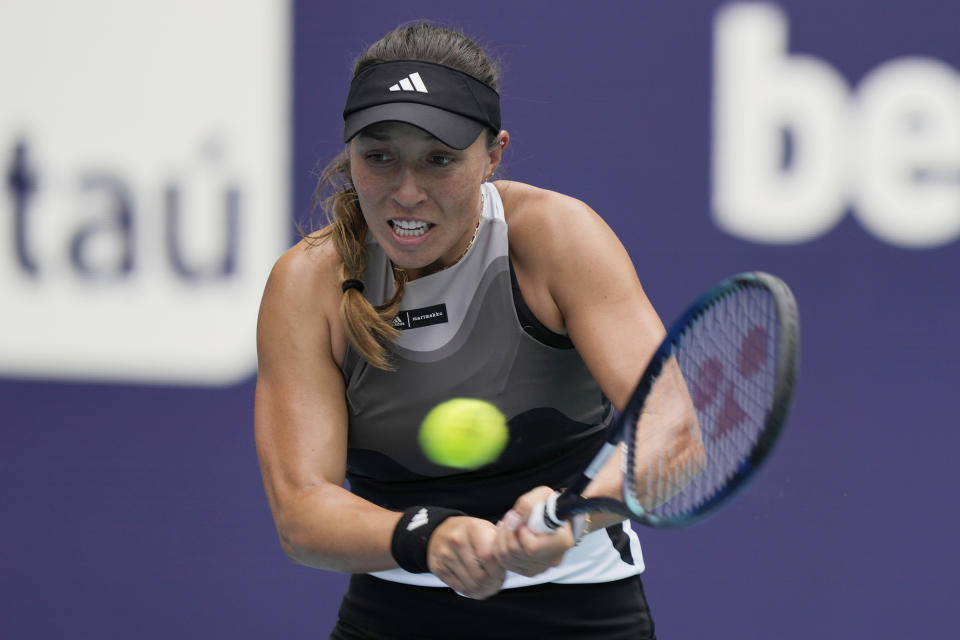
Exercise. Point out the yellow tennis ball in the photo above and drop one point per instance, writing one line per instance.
(464, 433)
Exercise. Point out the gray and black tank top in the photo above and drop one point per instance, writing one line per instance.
(465, 332)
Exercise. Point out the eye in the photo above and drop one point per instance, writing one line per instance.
(441, 159)
(377, 157)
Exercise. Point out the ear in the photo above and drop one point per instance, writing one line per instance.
(495, 153)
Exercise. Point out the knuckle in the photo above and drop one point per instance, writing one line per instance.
(486, 556)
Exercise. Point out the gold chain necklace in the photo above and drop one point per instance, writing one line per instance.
(475, 230)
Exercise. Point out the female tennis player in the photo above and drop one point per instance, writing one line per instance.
(431, 282)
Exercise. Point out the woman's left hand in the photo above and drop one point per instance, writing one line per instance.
(522, 551)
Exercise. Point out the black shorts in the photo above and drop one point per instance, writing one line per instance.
(375, 609)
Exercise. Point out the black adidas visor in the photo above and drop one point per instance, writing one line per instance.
(450, 105)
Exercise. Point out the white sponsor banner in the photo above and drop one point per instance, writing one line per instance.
(795, 146)
(145, 152)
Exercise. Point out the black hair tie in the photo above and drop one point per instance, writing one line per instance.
(352, 284)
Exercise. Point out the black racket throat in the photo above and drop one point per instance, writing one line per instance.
(567, 508)
(564, 506)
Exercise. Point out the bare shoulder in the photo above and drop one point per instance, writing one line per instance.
(547, 227)
(531, 211)
(304, 275)
(310, 262)
(580, 277)
(559, 247)
(302, 294)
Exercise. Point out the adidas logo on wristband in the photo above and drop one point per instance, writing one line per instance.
(419, 519)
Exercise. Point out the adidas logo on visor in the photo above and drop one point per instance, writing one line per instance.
(413, 82)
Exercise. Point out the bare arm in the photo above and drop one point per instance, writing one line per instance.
(301, 434)
(301, 424)
(587, 285)
(616, 331)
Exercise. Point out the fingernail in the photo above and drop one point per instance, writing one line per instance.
(512, 520)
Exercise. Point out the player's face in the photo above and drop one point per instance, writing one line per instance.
(419, 197)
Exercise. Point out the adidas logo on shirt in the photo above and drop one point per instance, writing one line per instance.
(412, 82)
(419, 519)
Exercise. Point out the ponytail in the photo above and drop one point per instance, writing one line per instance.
(367, 327)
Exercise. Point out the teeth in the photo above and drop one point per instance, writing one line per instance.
(408, 228)
(409, 224)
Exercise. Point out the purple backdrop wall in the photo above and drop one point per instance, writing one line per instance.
(137, 511)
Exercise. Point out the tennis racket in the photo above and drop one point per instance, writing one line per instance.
(729, 364)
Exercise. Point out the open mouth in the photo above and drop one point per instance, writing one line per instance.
(410, 228)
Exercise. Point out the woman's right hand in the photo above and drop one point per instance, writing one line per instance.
(460, 553)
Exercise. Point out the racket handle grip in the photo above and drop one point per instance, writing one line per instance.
(543, 518)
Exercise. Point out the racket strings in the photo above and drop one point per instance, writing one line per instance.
(727, 358)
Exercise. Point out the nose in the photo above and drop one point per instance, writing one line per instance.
(408, 192)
